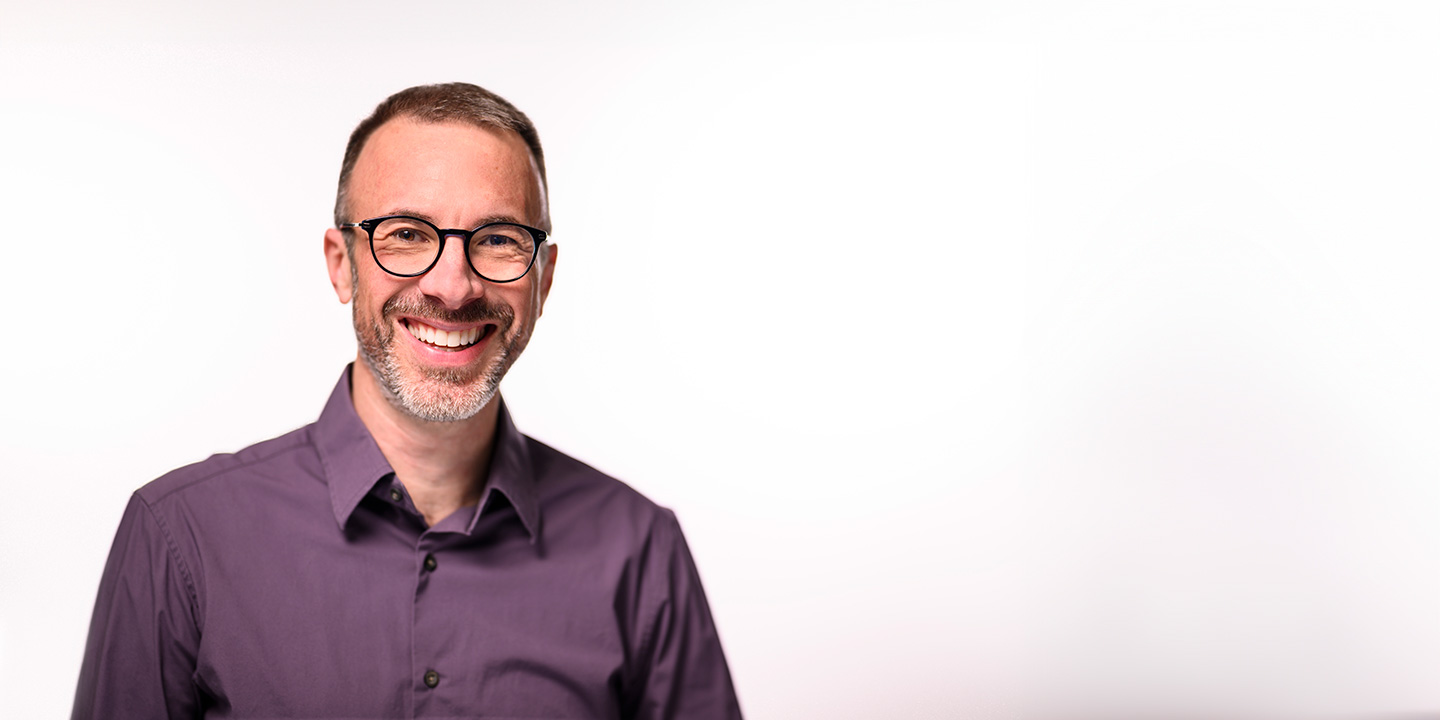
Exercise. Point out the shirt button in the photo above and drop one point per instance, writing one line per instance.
(432, 678)
(395, 494)
(430, 562)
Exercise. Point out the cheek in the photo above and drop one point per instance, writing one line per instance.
(362, 301)
(527, 305)
(371, 293)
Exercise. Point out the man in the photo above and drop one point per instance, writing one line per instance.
(411, 554)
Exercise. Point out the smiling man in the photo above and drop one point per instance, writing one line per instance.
(411, 554)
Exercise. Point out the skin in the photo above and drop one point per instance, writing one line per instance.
(457, 176)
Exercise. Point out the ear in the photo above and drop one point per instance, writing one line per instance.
(547, 273)
(337, 261)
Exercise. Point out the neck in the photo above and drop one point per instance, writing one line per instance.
(443, 465)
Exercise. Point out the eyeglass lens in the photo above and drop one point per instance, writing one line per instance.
(406, 246)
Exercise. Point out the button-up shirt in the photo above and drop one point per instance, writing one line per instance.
(296, 579)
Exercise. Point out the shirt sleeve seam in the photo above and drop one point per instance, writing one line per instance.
(300, 445)
(174, 552)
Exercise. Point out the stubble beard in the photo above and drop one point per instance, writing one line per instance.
(438, 394)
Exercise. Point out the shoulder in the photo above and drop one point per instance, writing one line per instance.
(225, 473)
(581, 499)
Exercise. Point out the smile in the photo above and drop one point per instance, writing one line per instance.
(446, 339)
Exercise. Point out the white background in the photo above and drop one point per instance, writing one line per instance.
(999, 359)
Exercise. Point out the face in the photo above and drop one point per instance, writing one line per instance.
(438, 345)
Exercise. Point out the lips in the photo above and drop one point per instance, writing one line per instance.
(445, 338)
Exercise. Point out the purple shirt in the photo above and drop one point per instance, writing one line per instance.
(296, 579)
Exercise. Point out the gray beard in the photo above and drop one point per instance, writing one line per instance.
(444, 394)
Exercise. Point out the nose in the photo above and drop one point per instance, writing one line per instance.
(451, 281)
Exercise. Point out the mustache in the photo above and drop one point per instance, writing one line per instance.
(480, 309)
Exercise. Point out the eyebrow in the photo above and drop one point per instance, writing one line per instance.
(431, 219)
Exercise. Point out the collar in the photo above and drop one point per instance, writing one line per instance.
(353, 462)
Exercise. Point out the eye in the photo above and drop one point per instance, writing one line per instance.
(496, 240)
(403, 231)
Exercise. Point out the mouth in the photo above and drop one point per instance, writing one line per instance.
(450, 340)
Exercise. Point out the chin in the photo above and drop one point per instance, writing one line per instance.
(443, 402)
(438, 394)
(442, 395)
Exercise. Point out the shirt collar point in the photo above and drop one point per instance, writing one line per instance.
(352, 461)
(513, 474)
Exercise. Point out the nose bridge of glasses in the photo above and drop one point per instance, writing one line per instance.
(463, 238)
(451, 278)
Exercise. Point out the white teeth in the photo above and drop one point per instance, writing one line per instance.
(457, 338)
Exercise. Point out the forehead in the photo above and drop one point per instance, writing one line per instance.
(453, 172)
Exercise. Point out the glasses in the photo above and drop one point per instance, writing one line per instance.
(406, 246)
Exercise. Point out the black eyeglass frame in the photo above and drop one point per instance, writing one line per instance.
(369, 227)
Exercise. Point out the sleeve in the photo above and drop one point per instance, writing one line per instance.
(140, 654)
(683, 673)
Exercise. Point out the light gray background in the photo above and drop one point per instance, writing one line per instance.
(999, 359)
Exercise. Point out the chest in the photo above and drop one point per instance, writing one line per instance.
(382, 621)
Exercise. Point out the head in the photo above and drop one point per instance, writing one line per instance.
(457, 156)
